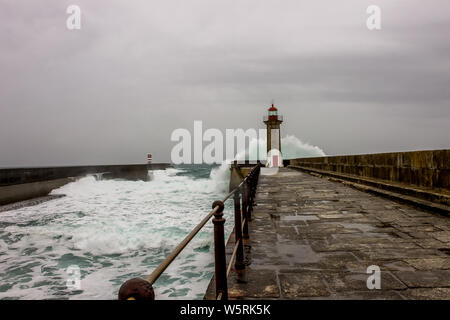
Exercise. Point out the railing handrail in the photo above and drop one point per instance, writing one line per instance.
(175, 252)
(146, 285)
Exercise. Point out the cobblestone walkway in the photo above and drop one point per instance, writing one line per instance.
(312, 238)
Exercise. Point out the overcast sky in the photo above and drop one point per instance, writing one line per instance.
(116, 89)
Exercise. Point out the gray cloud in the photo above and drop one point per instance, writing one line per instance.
(116, 89)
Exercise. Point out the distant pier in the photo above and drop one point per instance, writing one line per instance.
(19, 184)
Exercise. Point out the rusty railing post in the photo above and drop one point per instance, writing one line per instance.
(219, 251)
(250, 196)
(239, 262)
(136, 289)
(244, 211)
(254, 184)
(251, 191)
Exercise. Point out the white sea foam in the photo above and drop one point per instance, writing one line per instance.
(115, 230)
(291, 147)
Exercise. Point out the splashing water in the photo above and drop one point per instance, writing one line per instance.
(295, 148)
(114, 230)
(291, 146)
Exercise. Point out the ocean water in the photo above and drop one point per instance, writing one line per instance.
(113, 230)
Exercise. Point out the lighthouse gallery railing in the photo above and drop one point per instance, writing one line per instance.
(244, 193)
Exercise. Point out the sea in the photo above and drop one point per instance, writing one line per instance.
(86, 244)
(108, 231)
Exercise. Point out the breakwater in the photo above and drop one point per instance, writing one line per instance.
(17, 184)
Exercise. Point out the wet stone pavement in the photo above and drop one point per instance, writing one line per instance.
(311, 238)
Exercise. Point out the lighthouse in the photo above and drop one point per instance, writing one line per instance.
(272, 122)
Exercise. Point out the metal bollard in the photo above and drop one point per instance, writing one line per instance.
(219, 251)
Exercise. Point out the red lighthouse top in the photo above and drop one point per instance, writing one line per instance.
(273, 113)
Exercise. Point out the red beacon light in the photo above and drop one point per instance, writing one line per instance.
(273, 113)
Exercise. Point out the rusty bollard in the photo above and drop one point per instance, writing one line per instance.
(219, 251)
(136, 289)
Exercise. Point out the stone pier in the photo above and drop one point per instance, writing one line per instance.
(312, 238)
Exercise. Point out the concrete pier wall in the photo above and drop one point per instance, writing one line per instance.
(239, 171)
(25, 191)
(10, 176)
(422, 168)
(18, 184)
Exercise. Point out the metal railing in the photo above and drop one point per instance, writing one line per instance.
(142, 289)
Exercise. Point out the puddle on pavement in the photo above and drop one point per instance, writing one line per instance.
(360, 226)
(288, 173)
(298, 253)
(299, 218)
(321, 201)
(308, 202)
(378, 235)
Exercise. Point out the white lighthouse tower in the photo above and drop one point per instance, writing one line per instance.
(273, 121)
